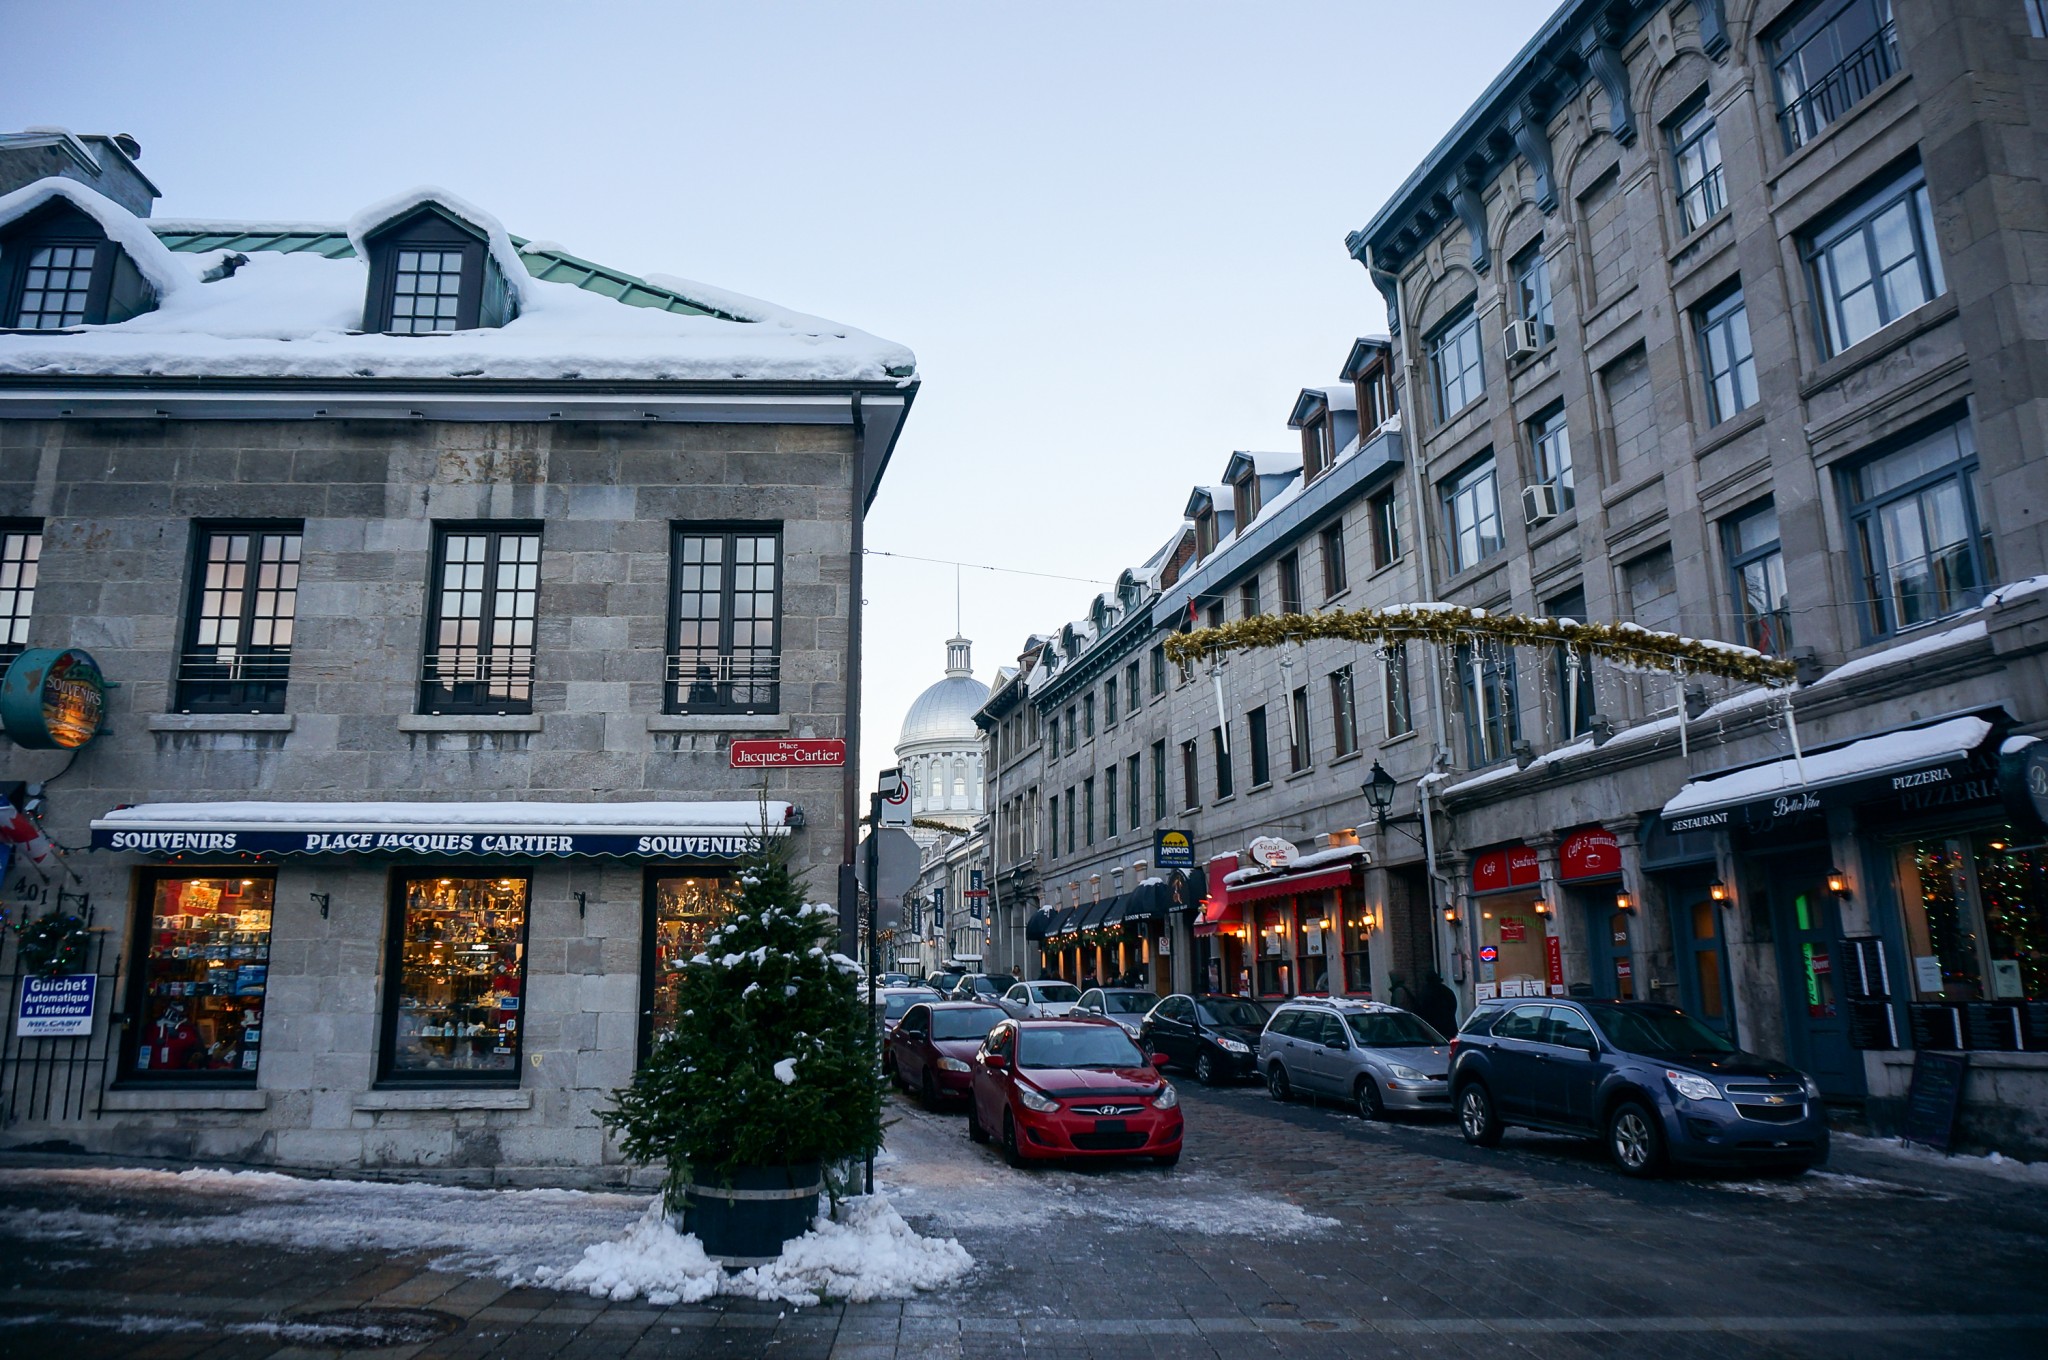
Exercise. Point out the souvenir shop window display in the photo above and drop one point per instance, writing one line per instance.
(461, 975)
(686, 908)
(205, 964)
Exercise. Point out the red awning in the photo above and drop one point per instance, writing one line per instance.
(1212, 916)
(1287, 885)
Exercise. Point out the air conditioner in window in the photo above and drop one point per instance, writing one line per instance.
(1523, 339)
(1539, 503)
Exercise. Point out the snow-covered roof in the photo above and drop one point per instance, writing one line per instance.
(1882, 754)
(295, 309)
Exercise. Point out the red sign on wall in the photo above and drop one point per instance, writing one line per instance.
(1509, 868)
(748, 755)
(1590, 853)
(1554, 956)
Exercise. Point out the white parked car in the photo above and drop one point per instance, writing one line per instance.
(1128, 1006)
(1039, 1000)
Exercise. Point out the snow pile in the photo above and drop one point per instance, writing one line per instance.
(871, 1254)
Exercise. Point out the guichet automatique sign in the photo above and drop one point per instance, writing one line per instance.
(53, 699)
(56, 1007)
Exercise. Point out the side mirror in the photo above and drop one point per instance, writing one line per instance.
(1593, 1051)
(995, 1062)
(1160, 1060)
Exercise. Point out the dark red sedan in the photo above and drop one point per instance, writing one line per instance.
(1071, 1088)
(932, 1048)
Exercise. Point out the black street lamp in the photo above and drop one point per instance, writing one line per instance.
(1379, 791)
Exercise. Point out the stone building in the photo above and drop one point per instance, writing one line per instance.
(437, 571)
(940, 751)
(1721, 318)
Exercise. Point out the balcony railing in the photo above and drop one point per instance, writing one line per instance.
(704, 680)
(477, 680)
(1839, 89)
(213, 680)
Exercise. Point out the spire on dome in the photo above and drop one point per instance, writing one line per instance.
(957, 659)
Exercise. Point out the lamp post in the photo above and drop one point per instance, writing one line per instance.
(1379, 791)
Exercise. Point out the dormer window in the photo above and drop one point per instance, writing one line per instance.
(1205, 532)
(59, 270)
(1315, 449)
(430, 273)
(1245, 498)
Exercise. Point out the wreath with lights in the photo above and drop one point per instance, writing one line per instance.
(1624, 644)
(53, 944)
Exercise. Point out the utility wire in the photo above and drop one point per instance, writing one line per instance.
(983, 566)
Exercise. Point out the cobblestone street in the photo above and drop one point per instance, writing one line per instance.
(1284, 1231)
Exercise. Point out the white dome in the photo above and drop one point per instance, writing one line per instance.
(945, 712)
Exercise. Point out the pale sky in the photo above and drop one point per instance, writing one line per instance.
(1113, 232)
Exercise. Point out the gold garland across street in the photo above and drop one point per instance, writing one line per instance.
(1627, 644)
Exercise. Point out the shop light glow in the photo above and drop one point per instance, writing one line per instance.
(1838, 883)
(1718, 891)
(1623, 902)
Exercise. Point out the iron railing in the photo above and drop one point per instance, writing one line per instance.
(61, 1080)
(477, 680)
(1840, 88)
(216, 680)
(705, 680)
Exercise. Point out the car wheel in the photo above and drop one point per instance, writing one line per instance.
(1634, 1140)
(974, 1129)
(1205, 1069)
(1277, 1084)
(1012, 1154)
(1476, 1119)
(1370, 1103)
(928, 1091)
(889, 1070)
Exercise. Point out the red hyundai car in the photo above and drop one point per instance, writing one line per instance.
(932, 1048)
(1071, 1088)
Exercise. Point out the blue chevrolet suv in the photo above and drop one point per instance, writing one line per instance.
(1652, 1082)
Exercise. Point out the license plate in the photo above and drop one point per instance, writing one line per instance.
(1109, 1126)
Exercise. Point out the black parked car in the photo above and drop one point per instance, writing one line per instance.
(1218, 1036)
(1654, 1083)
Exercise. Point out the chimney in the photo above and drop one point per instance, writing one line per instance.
(104, 163)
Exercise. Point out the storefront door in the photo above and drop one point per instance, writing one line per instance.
(1808, 930)
(1702, 953)
(1610, 947)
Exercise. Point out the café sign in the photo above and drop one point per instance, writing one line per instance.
(53, 699)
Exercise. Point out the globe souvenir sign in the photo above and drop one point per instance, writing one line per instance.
(53, 699)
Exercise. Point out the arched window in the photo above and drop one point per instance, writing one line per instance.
(960, 781)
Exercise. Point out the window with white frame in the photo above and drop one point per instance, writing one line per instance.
(1756, 564)
(1455, 360)
(1532, 291)
(1828, 58)
(1874, 261)
(1727, 361)
(1696, 161)
(1919, 538)
(1472, 514)
(21, 551)
(1550, 448)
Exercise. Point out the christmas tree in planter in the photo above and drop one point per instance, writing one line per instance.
(768, 1076)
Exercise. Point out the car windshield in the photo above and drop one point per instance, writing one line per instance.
(894, 1006)
(1656, 1032)
(1232, 1012)
(1129, 1003)
(1081, 1046)
(974, 1023)
(1056, 991)
(1393, 1029)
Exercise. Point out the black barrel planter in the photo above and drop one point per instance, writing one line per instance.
(746, 1221)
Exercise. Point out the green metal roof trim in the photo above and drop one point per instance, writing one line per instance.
(548, 265)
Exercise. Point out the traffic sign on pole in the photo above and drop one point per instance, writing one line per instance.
(894, 793)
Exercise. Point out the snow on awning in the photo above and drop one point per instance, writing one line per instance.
(1766, 796)
(1288, 885)
(506, 830)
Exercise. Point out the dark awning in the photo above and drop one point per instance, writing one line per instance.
(1041, 923)
(1148, 901)
(1064, 923)
(1092, 914)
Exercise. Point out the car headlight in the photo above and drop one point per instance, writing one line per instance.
(1166, 1099)
(1692, 1087)
(1406, 1073)
(953, 1065)
(1231, 1045)
(1034, 1101)
(1812, 1086)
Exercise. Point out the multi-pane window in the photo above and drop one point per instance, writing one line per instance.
(1316, 452)
(1493, 724)
(1088, 810)
(1532, 291)
(1111, 809)
(1072, 803)
(1550, 445)
(21, 550)
(1394, 673)
(1454, 359)
(487, 585)
(1052, 826)
(1088, 717)
(1262, 763)
(458, 977)
(1290, 584)
(1158, 671)
(1073, 727)
(1052, 736)
(1248, 596)
(1696, 157)
(1725, 356)
(1828, 60)
(1131, 699)
(426, 291)
(682, 910)
(1335, 578)
(1219, 740)
(1133, 792)
(238, 631)
(1472, 514)
(1190, 776)
(1109, 702)
(1875, 263)
(1344, 710)
(55, 287)
(1573, 671)
(726, 652)
(1919, 536)
(1298, 749)
(1159, 781)
(1386, 529)
(1757, 564)
(1214, 614)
